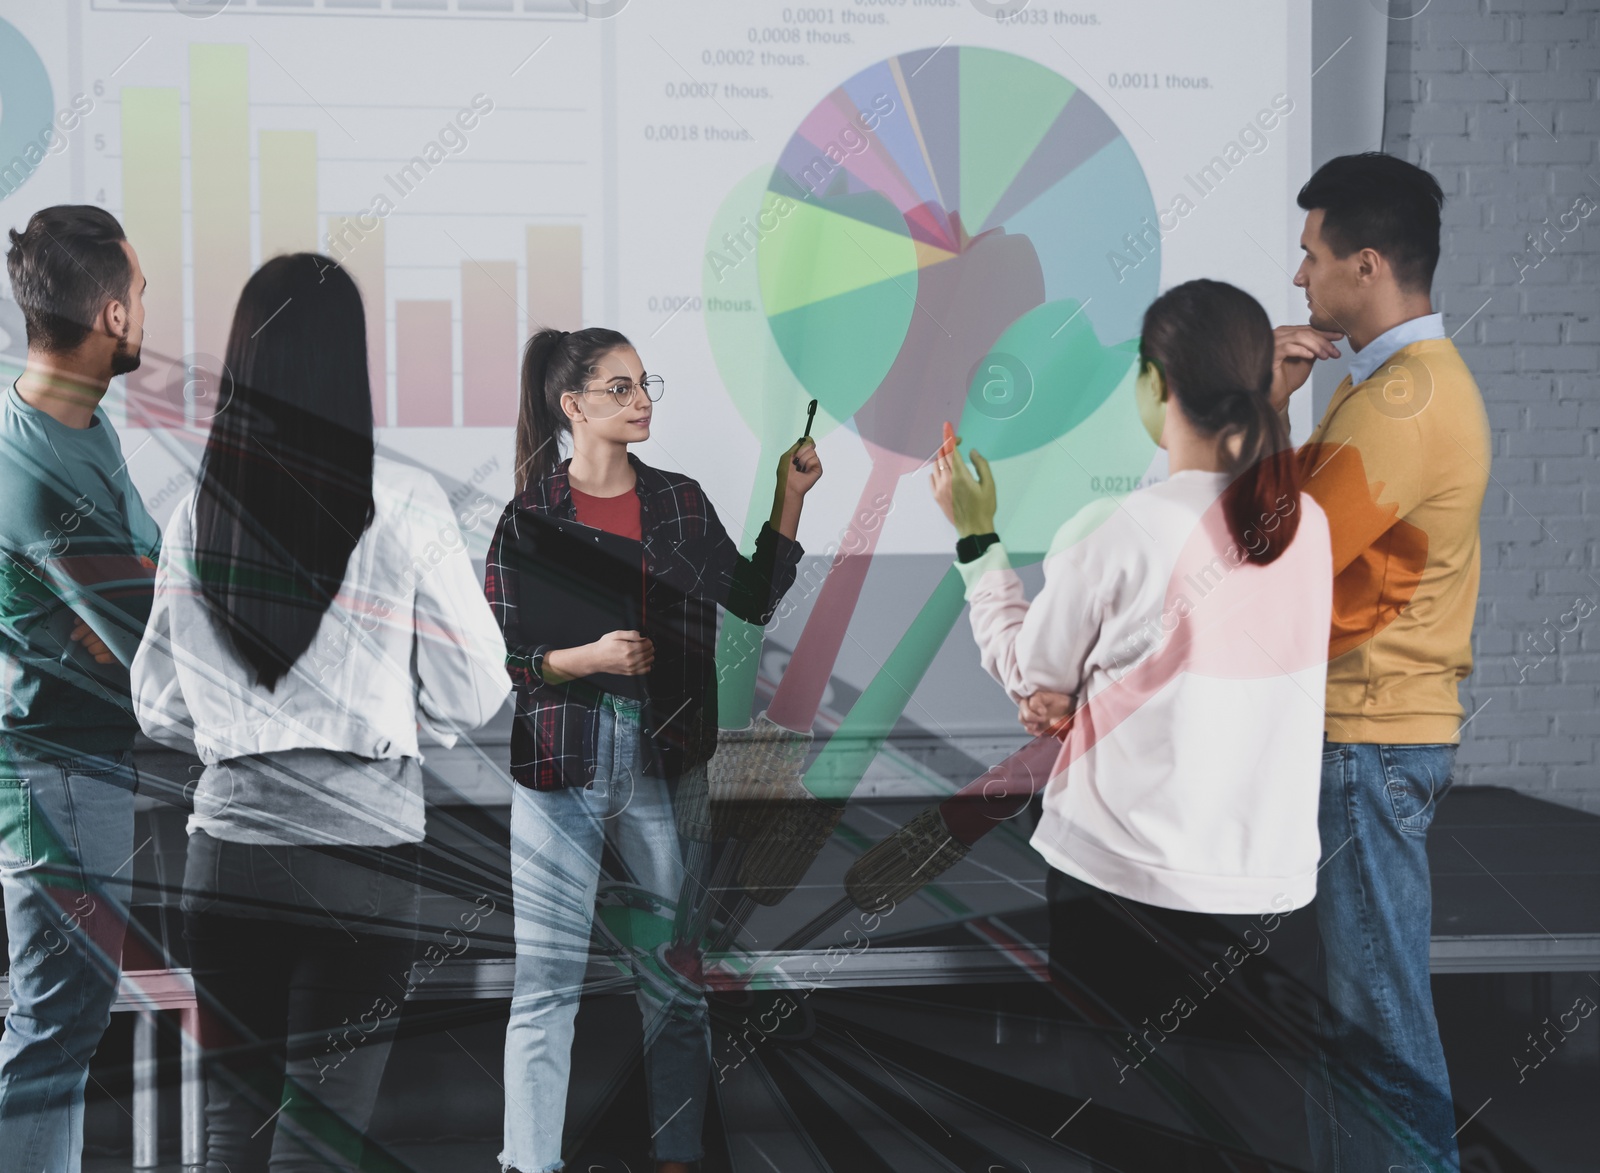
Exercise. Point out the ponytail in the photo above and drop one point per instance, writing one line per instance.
(553, 363)
(538, 421)
(1262, 502)
(1213, 342)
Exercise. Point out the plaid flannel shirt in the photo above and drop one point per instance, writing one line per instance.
(691, 566)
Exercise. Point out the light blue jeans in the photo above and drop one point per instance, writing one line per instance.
(66, 846)
(556, 842)
(1392, 1112)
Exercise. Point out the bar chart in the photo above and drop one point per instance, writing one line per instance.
(236, 164)
(483, 168)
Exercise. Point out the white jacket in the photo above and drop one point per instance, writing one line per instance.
(1190, 777)
(408, 640)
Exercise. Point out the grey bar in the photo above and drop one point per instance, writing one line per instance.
(1530, 953)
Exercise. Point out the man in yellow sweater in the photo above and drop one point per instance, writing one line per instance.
(1399, 464)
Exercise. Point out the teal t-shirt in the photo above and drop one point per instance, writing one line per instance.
(75, 542)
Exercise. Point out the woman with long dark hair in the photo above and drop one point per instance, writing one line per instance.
(606, 575)
(1178, 647)
(315, 608)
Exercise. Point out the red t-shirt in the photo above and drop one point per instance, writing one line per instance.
(616, 515)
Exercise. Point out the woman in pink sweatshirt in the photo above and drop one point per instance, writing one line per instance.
(1178, 649)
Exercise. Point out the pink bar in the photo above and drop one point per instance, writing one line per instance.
(423, 377)
(356, 242)
(488, 344)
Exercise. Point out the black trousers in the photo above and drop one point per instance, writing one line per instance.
(300, 958)
(1205, 1024)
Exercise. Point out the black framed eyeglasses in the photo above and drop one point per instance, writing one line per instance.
(621, 394)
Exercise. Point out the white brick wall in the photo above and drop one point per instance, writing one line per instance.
(1498, 100)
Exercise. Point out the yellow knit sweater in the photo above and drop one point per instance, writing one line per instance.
(1399, 464)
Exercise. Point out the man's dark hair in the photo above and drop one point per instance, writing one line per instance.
(65, 265)
(1383, 203)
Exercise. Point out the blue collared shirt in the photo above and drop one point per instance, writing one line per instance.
(1365, 362)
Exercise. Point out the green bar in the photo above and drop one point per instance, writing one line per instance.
(739, 643)
(555, 277)
(152, 216)
(287, 161)
(843, 761)
(219, 168)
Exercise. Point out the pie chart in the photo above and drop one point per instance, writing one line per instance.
(933, 243)
(26, 108)
(942, 224)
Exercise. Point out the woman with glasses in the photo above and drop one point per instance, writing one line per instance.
(606, 575)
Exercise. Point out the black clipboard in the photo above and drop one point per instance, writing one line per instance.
(575, 583)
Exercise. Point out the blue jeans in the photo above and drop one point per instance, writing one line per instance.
(556, 842)
(66, 847)
(1392, 1107)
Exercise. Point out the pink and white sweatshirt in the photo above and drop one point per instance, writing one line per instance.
(1190, 775)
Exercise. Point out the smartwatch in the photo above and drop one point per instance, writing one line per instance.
(971, 547)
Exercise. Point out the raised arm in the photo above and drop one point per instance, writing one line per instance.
(1026, 647)
(751, 588)
(1366, 474)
